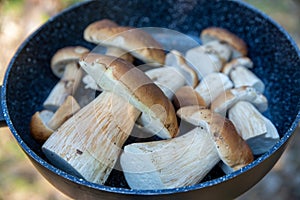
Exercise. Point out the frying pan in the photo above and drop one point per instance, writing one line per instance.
(28, 81)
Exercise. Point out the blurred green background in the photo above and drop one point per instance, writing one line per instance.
(18, 177)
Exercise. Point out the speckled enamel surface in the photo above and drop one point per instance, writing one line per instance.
(276, 58)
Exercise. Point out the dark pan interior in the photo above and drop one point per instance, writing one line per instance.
(276, 60)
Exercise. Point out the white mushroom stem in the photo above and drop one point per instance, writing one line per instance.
(173, 163)
(208, 58)
(212, 85)
(67, 85)
(165, 77)
(89, 143)
(241, 76)
(257, 130)
(229, 97)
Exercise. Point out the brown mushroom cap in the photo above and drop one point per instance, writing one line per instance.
(126, 80)
(135, 41)
(187, 96)
(215, 33)
(64, 56)
(232, 149)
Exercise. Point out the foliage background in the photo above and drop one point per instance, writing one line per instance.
(18, 177)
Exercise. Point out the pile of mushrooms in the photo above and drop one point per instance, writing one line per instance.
(205, 105)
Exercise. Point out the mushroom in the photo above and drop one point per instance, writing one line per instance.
(241, 76)
(93, 29)
(231, 96)
(257, 130)
(237, 45)
(242, 61)
(175, 59)
(209, 57)
(132, 40)
(44, 123)
(157, 109)
(172, 163)
(231, 147)
(212, 85)
(64, 64)
(89, 143)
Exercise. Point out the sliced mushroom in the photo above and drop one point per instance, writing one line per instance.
(64, 65)
(239, 47)
(135, 41)
(257, 130)
(140, 91)
(89, 143)
(241, 76)
(208, 58)
(242, 61)
(177, 162)
(93, 29)
(44, 123)
(212, 85)
(245, 93)
(176, 59)
(231, 147)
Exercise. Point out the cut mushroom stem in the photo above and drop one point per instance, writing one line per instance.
(212, 85)
(231, 147)
(208, 58)
(88, 144)
(245, 93)
(177, 162)
(257, 130)
(241, 76)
